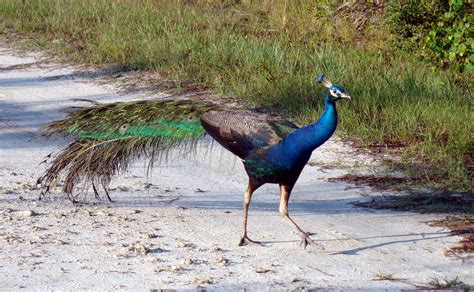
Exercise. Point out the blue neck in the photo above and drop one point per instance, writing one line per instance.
(303, 141)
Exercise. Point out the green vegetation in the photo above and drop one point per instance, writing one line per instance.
(441, 30)
(267, 53)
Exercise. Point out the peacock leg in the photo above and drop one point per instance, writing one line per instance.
(104, 185)
(285, 191)
(245, 240)
(96, 193)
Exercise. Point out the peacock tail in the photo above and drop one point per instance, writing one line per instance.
(107, 137)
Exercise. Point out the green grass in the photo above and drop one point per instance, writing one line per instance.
(267, 53)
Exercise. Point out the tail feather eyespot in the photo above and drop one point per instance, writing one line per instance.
(124, 128)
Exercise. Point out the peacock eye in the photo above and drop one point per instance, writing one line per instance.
(123, 128)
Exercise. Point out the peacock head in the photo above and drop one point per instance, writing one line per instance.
(335, 92)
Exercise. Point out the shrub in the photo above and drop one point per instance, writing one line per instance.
(450, 40)
(440, 30)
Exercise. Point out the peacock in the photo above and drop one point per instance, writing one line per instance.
(107, 137)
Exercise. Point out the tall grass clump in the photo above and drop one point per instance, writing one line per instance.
(267, 53)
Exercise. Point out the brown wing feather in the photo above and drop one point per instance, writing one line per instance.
(241, 132)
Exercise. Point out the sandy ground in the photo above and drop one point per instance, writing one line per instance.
(180, 227)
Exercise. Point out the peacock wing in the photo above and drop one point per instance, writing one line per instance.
(283, 127)
(107, 137)
(242, 132)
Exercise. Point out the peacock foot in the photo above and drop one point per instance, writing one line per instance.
(247, 241)
(306, 240)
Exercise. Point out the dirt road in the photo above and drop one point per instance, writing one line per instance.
(180, 227)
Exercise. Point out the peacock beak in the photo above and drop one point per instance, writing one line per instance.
(345, 96)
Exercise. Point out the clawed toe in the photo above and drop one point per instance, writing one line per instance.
(247, 241)
(306, 240)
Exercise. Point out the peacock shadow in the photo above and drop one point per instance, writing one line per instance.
(426, 236)
(417, 237)
(312, 208)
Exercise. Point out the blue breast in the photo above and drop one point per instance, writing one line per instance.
(290, 155)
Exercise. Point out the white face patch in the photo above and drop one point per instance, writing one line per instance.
(335, 93)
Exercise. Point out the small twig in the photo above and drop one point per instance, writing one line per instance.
(171, 201)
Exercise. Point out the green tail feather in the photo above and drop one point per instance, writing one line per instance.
(107, 137)
(164, 129)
